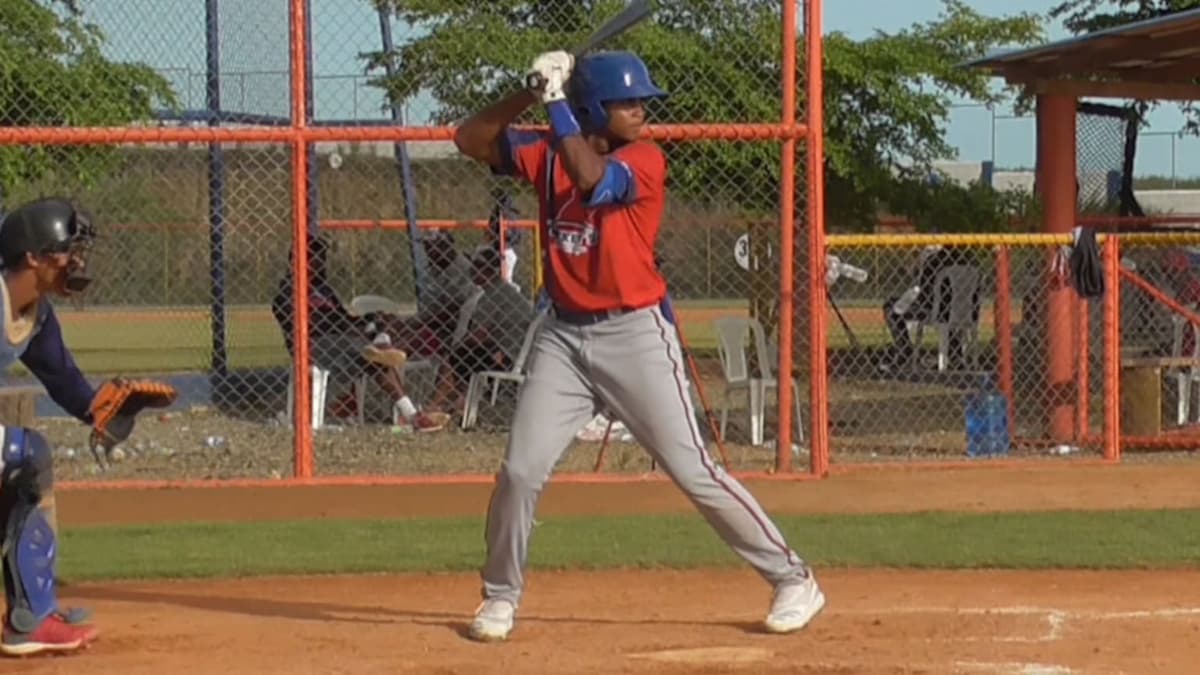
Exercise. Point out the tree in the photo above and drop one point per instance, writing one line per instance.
(942, 205)
(1086, 16)
(888, 97)
(52, 73)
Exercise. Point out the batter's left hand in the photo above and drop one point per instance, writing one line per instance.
(547, 77)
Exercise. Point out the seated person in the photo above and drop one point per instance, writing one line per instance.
(491, 330)
(405, 413)
(448, 287)
(1176, 271)
(1180, 269)
(916, 304)
(346, 345)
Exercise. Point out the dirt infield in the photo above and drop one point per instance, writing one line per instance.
(882, 490)
(877, 621)
(1032, 623)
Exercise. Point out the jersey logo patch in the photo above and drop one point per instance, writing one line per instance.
(572, 237)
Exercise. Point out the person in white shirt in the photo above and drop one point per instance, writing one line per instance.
(503, 210)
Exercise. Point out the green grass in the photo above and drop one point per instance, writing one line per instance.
(178, 339)
(1124, 539)
(167, 339)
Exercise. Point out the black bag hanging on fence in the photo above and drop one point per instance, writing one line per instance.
(1087, 271)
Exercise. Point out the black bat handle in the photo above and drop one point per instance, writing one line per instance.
(535, 81)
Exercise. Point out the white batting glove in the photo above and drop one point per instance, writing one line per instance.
(547, 77)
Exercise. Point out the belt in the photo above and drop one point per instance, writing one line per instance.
(591, 318)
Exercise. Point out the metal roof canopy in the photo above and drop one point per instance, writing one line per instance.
(1153, 59)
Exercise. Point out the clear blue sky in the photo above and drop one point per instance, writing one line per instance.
(345, 28)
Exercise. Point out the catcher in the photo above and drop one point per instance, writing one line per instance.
(43, 248)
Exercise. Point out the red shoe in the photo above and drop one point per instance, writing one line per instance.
(53, 635)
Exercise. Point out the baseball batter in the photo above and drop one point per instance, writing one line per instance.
(42, 250)
(609, 341)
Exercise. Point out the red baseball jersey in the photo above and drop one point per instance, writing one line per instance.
(599, 258)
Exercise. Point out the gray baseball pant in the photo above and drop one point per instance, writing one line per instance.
(633, 366)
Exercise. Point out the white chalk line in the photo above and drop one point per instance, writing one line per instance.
(1014, 668)
(1059, 613)
(1056, 620)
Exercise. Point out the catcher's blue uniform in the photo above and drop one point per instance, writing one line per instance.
(26, 467)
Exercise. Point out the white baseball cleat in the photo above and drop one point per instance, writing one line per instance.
(794, 605)
(493, 621)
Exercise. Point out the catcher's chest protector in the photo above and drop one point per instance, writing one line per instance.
(15, 339)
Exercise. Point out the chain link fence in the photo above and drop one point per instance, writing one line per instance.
(423, 267)
(921, 331)
(1158, 343)
(924, 329)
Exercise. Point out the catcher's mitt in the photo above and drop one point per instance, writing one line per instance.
(115, 406)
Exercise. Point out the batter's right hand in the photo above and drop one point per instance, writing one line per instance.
(547, 77)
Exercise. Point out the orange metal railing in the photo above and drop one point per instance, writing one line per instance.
(793, 127)
(298, 134)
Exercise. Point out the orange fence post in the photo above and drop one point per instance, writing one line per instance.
(1002, 318)
(1057, 188)
(1112, 350)
(303, 462)
(1082, 393)
(816, 240)
(787, 226)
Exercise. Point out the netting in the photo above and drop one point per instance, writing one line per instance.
(1106, 145)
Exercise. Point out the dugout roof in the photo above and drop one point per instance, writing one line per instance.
(1152, 59)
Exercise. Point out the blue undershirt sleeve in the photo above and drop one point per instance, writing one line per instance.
(48, 358)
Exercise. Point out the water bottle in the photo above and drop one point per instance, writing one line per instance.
(987, 420)
(835, 269)
(995, 406)
(977, 425)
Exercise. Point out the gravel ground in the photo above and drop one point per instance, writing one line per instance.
(200, 443)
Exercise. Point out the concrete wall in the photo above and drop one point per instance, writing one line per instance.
(1163, 202)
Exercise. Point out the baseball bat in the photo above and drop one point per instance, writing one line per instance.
(634, 13)
(854, 343)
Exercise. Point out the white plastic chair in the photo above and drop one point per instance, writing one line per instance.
(963, 284)
(733, 350)
(318, 385)
(516, 374)
(361, 305)
(1186, 377)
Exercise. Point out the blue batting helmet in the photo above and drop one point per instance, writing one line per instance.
(608, 76)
